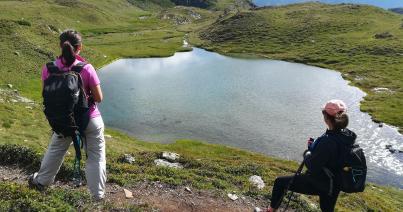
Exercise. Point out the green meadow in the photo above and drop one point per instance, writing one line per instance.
(148, 28)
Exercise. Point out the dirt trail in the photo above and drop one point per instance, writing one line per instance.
(159, 197)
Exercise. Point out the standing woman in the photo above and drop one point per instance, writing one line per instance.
(71, 45)
(322, 177)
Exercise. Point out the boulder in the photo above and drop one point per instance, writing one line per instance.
(164, 163)
(257, 182)
(170, 156)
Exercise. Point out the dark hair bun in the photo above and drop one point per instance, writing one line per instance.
(341, 120)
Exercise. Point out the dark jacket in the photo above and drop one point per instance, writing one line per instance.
(325, 155)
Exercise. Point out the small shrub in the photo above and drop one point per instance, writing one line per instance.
(383, 35)
(6, 125)
(23, 23)
(20, 156)
(219, 184)
(246, 169)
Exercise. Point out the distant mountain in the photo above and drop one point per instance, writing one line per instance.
(384, 3)
(397, 10)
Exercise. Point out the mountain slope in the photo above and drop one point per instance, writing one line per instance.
(362, 42)
(397, 10)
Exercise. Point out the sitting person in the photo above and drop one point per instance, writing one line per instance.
(321, 177)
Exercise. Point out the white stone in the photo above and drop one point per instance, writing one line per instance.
(257, 182)
(128, 194)
(257, 209)
(188, 189)
(381, 90)
(10, 85)
(171, 156)
(164, 163)
(233, 197)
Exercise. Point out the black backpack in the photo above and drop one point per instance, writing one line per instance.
(65, 103)
(353, 168)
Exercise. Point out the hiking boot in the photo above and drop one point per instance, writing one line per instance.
(33, 184)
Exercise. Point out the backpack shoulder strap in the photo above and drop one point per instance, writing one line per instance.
(52, 67)
(78, 67)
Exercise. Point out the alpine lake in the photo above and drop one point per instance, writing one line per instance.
(266, 106)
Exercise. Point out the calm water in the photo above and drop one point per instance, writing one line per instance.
(261, 105)
(379, 3)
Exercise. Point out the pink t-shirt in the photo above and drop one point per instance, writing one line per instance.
(88, 75)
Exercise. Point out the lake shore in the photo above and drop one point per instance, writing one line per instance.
(117, 33)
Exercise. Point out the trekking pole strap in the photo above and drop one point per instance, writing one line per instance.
(77, 161)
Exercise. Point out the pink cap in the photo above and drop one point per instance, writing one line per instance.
(334, 107)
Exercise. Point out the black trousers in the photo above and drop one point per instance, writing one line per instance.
(303, 185)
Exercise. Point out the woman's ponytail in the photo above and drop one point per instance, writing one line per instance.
(339, 121)
(68, 53)
(70, 40)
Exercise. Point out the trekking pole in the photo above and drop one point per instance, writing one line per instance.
(298, 172)
(77, 161)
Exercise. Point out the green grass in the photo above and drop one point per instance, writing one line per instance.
(116, 28)
(339, 37)
(111, 30)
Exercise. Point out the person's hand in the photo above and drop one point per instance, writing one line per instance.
(309, 142)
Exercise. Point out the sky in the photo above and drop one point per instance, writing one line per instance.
(380, 3)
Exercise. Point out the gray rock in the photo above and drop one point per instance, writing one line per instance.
(171, 156)
(164, 163)
(127, 158)
(257, 182)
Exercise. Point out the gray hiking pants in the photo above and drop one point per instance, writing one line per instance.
(95, 168)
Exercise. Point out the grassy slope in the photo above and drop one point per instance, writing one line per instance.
(116, 33)
(340, 37)
(111, 30)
